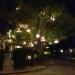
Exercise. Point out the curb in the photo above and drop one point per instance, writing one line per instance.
(22, 71)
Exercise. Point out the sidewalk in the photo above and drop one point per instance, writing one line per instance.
(8, 68)
(24, 70)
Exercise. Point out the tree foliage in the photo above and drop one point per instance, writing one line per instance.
(63, 26)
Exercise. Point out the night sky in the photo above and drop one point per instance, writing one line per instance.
(10, 4)
(70, 4)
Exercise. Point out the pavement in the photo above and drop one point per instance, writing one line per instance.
(27, 69)
(52, 67)
(8, 67)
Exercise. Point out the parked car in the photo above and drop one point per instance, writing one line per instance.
(22, 57)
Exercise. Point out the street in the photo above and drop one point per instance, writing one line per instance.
(55, 68)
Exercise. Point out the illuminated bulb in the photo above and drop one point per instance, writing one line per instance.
(26, 25)
(42, 13)
(9, 32)
(17, 8)
(43, 38)
(37, 35)
(24, 43)
(47, 47)
(22, 26)
(18, 46)
(28, 30)
(52, 18)
(35, 42)
(9, 35)
(50, 43)
(10, 40)
(13, 36)
(56, 41)
(18, 30)
(31, 44)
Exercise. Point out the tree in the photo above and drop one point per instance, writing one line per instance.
(30, 13)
